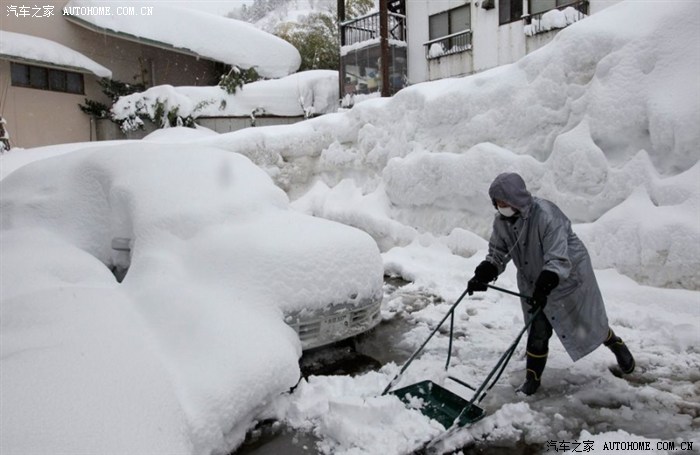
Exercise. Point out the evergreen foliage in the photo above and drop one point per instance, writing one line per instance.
(236, 78)
(113, 89)
(316, 35)
(316, 38)
(4, 136)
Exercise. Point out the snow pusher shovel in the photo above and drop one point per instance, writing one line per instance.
(440, 404)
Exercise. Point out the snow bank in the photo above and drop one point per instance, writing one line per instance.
(217, 260)
(611, 107)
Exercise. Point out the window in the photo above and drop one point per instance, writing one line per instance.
(450, 22)
(57, 80)
(74, 83)
(539, 6)
(38, 77)
(20, 74)
(449, 32)
(46, 79)
(509, 11)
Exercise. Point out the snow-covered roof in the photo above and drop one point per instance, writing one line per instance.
(191, 32)
(32, 49)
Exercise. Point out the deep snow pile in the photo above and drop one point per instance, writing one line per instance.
(185, 353)
(605, 113)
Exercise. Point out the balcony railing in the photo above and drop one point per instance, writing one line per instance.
(366, 28)
(534, 23)
(448, 45)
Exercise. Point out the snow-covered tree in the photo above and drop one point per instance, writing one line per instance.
(4, 136)
(315, 35)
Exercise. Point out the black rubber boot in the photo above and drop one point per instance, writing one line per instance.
(535, 367)
(623, 355)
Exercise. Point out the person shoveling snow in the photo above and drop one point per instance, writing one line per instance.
(553, 267)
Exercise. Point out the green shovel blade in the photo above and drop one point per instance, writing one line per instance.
(439, 404)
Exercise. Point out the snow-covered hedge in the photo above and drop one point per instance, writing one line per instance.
(302, 94)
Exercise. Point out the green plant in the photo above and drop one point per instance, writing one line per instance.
(316, 35)
(95, 108)
(236, 78)
(316, 38)
(4, 136)
(113, 89)
(163, 117)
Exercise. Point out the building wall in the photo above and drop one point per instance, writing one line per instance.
(41, 117)
(416, 35)
(31, 114)
(492, 44)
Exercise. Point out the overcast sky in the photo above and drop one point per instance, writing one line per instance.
(212, 6)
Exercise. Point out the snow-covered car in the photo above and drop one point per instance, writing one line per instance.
(326, 277)
(316, 324)
(334, 323)
(197, 335)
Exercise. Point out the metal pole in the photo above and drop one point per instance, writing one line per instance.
(449, 348)
(384, 43)
(341, 35)
(526, 297)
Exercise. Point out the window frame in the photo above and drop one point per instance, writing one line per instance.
(43, 78)
(511, 17)
(557, 4)
(448, 15)
(457, 40)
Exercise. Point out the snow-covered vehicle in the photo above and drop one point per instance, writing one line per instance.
(317, 324)
(219, 268)
(325, 277)
(335, 322)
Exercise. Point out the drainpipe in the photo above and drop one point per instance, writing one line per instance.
(153, 73)
(384, 43)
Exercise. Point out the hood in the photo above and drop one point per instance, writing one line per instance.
(509, 187)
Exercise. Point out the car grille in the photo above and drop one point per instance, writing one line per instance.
(343, 321)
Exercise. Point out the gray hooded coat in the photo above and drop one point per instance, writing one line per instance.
(540, 238)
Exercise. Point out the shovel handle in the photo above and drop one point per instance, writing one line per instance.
(415, 354)
(450, 313)
(507, 291)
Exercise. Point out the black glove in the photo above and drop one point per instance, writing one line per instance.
(544, 285)
(484, 273)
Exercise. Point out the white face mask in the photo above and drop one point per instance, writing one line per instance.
(506, 211)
